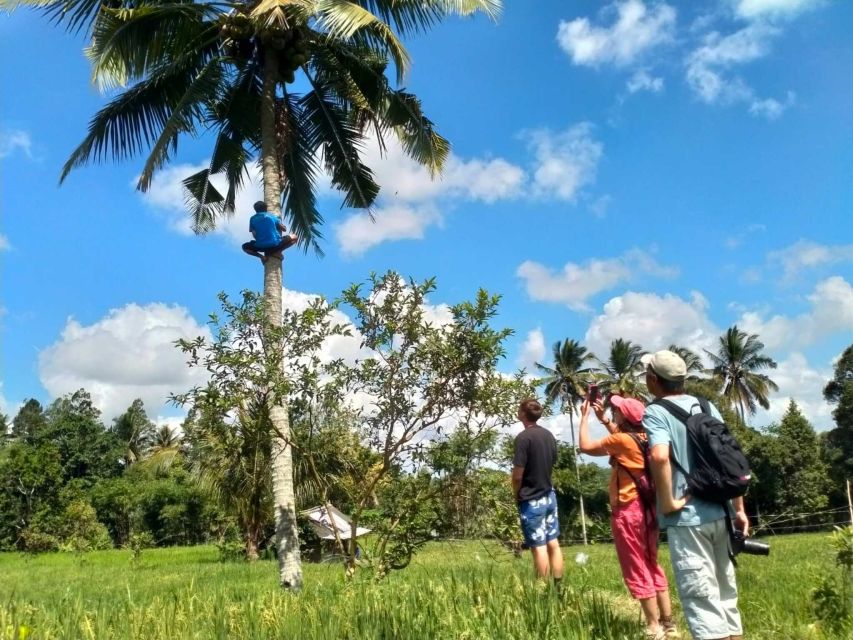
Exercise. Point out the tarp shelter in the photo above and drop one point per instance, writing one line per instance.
(324, 522)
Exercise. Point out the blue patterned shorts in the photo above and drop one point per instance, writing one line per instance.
(539, 522)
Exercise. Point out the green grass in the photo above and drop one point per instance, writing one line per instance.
(465, 590)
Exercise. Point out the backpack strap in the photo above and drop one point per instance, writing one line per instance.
(683, 416)
(674, 409)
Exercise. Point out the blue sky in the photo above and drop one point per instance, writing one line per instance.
(648, 170)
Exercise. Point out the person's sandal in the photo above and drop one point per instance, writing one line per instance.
(655, 635)
(670, 631)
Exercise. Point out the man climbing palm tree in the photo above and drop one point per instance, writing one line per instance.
(270, 235)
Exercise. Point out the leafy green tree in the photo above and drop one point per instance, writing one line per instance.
(422, 375)
(30, 421)
(839, 441)
(805, 482)
(87, 450)
(736, 367)
(30, 479)
(231, 434)
(228, 70)
(622, 371)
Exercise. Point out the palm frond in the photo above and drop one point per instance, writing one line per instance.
(184, 118)
(299, 167)
(133, 120)
(332, 131)
(347, 20)
(127, 44)
(409, 17)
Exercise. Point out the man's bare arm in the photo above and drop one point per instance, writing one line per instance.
(662, 472)
(517, 473)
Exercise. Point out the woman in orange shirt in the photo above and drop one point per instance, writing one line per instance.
(633, 519)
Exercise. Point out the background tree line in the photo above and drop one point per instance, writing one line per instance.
(424, 454)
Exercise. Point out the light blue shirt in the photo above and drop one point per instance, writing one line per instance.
(664, 428)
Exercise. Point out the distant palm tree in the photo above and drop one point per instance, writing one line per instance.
(566, 381)
(735, 367)
(135, 431)
(622, 373)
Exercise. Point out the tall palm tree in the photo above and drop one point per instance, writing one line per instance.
(735, 370)
(566, 382)
(230, 69)
(623, 370)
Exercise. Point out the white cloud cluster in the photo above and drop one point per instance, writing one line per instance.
(709, 67)
(5, 245)
(411, 201)
(752, 9)
(12, 140)
(565, 161)
(831, 312)
(643, 81)
(654, 322)
(358, 233)
(636, 29)
(532, 351)
(128, 354)
(577, 283)
(797, 379)
(805, 254)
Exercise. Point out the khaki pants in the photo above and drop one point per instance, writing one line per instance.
(705, 577)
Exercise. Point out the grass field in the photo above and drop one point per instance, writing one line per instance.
(464, 590)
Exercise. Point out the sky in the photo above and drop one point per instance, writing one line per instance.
(656, 171)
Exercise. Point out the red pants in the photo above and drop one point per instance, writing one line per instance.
(636, 536)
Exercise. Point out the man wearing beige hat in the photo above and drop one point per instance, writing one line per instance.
(696, 529)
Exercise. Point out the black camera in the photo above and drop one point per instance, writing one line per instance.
(742, 544)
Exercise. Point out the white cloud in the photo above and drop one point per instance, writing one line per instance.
(635, 30)
(565, 161)
(654, 322)
(358, 233)
(831, 312)
(532, 351)
(751, 9)
(709, 67)
(12, 140)
(797, 379)
(642, 81)
(128, 354)
(770, 108)
(403, 179)
(706, 64)
(805, 254)
(577, 283)
(4, 243)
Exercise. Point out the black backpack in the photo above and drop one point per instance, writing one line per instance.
(720, 469)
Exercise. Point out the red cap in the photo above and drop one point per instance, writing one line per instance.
(631, 408)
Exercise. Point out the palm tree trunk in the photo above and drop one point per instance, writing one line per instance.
(578, 474)
(284, 503)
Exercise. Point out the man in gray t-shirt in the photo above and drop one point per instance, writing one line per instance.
(533, 459)
(696, 530)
